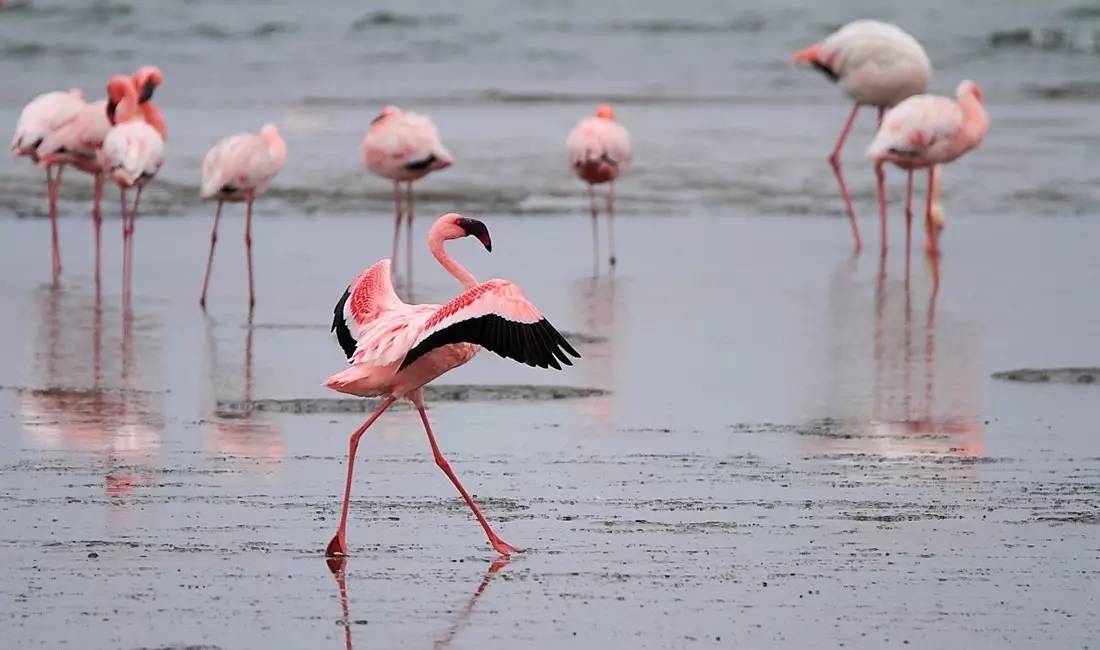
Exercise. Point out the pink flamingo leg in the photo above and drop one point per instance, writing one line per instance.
(53, 184)
(834, 160)
(502, 547)
(880, 183)
(908, 222)
(338, 545)
(97, 223)
(409, 233)
(210, 257)
(125, 240)
(933, 236)
(129, 228)
(248, 247)
(611, 220)
(595, 225)
(396, 223)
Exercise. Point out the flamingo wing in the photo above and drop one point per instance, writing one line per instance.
(372, 325)
(496, 316)
(238, 163)
(917, 125)
(81, 136)
(595, 139)
(131, 152)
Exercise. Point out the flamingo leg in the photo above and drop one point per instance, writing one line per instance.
(502, 547)
(125, 240)
(834, 160)
(210, 257)
(933, 236)
(880, 184)
(53, 184)
(338, 545)
(396, 223)
(97, 222)
(409, 233)
(595, 225)
(248, 247)
(908, 221)
(611, 220)
(130, 243)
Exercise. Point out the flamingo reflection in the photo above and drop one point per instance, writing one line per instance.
(338, 566)
(595, 306)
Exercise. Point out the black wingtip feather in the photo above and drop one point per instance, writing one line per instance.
(343, 334)
(535, 344)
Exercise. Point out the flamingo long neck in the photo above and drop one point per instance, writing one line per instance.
(127, 108)
(154, 118)
(464, 277)
(975, 119)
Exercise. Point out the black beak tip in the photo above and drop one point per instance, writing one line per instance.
(488, 246)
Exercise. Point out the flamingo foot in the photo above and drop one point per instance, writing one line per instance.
(337, 547)
(503, 547)
(612, 260)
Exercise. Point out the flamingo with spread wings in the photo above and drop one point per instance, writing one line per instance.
(396, 348)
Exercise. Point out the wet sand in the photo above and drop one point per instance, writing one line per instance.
(784, 445)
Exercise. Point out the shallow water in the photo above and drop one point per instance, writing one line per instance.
(766, 442)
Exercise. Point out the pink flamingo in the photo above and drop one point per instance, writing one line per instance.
(43, 115)
(77, 141)
(599, 151)
(396, 348)
(239, 168)
(403, 147)
(131, 155)
(925, 131)
(876, 64)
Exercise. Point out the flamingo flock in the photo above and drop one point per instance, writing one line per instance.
(394, 349)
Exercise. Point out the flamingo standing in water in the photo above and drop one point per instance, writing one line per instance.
(42, 116)
(77, 141)
(925, 131)
(131, 155)
(876, 64)
(239, 168)
(403, 147)
(396, 348)
(599, 150)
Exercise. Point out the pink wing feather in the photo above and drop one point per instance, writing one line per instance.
(921, 127)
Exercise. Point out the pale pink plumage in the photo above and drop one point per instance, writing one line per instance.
(77, 141)
(239, 168)
(925, 131)
(875, 64)
(42, 116)
(599, 152)
(396, 348)
(403, 147)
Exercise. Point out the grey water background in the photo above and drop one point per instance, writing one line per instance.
(767, 443)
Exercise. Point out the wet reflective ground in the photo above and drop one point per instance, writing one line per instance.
(786, 443)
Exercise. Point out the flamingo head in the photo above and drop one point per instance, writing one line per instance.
(456, 226)
(605, 111)
(388, 111)
(117, 90)
(970, 89)
(146, 79)
(275, 143)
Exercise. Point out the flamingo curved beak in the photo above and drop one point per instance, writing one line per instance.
(475, 228)
(147, 91)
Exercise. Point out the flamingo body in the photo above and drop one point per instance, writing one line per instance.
(44, 114)
(598, 148)
(242, 164)
(396, 348)
(403, 146)
(77, 141)
(132, 153)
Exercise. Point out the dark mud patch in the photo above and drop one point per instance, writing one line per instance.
(1047, 39)
(62, 392)
(455, 393)
(383, 19)
(1051, 375)
(1064, 90)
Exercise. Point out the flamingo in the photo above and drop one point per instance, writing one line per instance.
(239, 168)
(131, 155)
(925, 131)
(876, 64)
(403, 147)
(599, 150)
(397, 348)
(44, 114)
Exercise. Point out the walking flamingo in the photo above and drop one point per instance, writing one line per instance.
(925, 131)
(131, 155)
(397, 348)
(39, 118)
(599, 151)
(403, 147)
(239, 168)
(876, 64)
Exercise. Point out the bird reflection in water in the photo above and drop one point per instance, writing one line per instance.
(86, 400)
(338, 567)
(239, 433)
(925, 375)
(595, 307)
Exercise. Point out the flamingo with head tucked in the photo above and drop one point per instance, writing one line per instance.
(239, 168)
(131, 155)
(876, 64)
(397, 348)
(923, 132)
(599, 151)
(42, 116)
(403, 147)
